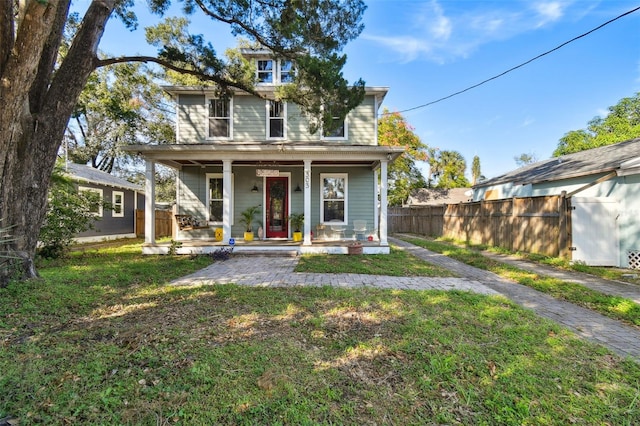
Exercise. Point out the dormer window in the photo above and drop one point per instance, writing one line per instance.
(271, 71)
(286, 71)
(265, 71)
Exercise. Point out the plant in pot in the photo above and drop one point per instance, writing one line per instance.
(246, 218)
(297, 222)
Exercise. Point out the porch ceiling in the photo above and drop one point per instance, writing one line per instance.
(177, 156)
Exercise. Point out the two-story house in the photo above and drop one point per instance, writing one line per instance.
(235, 152)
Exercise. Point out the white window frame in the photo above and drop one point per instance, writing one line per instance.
(344, 176)
(345, 124)
(269, 118)
(99, 191)
(274, 67)
(210, 176)
(208, 118)
(114, 194)
(281, 72)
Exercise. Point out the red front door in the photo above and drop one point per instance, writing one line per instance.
(277, 202)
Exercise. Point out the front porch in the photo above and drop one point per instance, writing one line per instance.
(268, 247)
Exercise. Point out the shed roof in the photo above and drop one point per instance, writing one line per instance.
(88, 174)
(436, 196)
(623, 155)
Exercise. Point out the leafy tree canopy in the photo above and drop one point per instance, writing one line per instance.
(524, 159)
(47, 56)
(621, 124)
(448, 167)
(403, 174)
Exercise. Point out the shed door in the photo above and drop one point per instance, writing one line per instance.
(594, 231)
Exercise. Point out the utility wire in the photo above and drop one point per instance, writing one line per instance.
(521, 65)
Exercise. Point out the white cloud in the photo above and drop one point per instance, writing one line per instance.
(444, 32)
(548, 11)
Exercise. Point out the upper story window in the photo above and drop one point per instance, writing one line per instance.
(286, 71)
(265, 71)
(276, 119)
(339, 132)
(271, 71)
(220, 123)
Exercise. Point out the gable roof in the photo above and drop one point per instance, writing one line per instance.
(616, 157)
(83, 173)
(437, 196)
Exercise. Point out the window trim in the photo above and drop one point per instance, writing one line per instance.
(114, 203)
(210, 176)
(274, 67)
(268, 119)
(208, 118)
(344, 176)
(99, 191)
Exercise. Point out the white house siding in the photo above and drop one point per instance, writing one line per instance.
(628, 194)
(192, 118)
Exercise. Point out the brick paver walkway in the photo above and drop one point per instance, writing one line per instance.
(263, 271)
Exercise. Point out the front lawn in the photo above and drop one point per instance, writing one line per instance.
(102, 339)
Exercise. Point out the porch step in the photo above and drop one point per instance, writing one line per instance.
(269, 253)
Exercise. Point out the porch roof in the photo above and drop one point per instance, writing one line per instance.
(179, 155)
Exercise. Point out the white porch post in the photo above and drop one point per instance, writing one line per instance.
(383, 203)
(149, 202)
(226, 200)
(307, 203)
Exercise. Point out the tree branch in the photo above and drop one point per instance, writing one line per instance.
(166, 64)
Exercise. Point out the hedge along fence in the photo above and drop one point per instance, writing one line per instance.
(530, 224)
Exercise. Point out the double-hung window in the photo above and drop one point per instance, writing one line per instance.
(215, 197)
(276, 119)
(286, 71)
(333, 197)
(265, 70)
(220, 124)
(338, 130)
(95, 199)
(117, 201)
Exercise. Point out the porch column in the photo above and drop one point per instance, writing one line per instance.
(307, 203)
(149, 202)
(226, 200)
(383, 203)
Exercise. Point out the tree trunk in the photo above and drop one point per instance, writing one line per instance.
(32, 125)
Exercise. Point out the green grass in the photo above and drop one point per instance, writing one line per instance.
(616, 307)
(398, 264)
(102, 339)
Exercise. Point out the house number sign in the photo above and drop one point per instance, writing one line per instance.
(267, 172)
(307, 178)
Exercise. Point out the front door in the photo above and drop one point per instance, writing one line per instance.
(277, 202)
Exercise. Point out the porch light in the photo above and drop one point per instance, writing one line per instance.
(255, 188)
(298, 189)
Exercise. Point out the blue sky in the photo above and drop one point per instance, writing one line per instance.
(424, 50)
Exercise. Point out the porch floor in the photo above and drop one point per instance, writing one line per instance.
(272, 247)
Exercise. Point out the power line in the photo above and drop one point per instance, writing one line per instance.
(521, 65)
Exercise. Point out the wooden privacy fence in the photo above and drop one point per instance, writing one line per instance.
(530, 224)
(164, 223)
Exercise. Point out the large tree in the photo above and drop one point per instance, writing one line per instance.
(448, 167)
(39, 88)
(403, 174)
(621, 123)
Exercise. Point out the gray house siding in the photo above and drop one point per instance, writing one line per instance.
(108, 225)
(250, 121)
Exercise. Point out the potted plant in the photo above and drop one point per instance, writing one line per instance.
(246, 218)
(297, 222)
